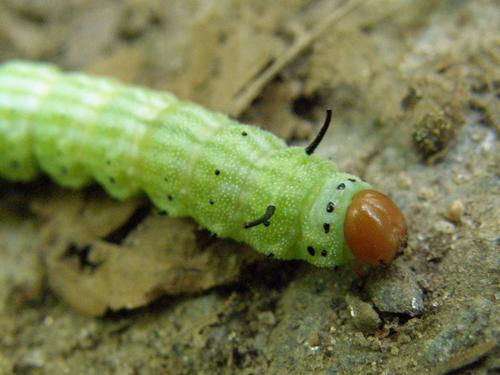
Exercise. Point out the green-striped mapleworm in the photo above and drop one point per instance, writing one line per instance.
(238, 181)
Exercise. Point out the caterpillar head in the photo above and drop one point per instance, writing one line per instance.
(368, 226)
(374, 227)
(348, 220)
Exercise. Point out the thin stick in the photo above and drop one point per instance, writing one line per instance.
(253, 89)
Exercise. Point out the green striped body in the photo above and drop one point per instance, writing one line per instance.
(190, 162)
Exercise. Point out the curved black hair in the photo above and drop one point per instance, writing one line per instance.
(264, 219)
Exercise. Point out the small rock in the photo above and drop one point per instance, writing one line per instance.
(33, 359)
(364, 316)
(433, 134)
(394, 350)
(267, 318)
(138, 16)
(333, 370)
(443, 226)
(404, 181)
(314, 340)
(456, 211)
(403, 339)
(425, 193)
(396, 291)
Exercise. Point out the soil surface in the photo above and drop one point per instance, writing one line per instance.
(89, 285)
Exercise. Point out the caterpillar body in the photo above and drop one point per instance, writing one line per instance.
(238, 181)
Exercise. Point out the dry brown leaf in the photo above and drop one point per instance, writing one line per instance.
(103, 256)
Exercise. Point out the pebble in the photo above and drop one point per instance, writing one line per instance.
(364, 316)
(396, 291)
(403, 338)
(404, 181)
(425, 193)
(314, 340)
(443, 226)
(267, 318)
(394, 350)
(456, 211)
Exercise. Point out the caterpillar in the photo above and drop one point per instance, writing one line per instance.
(236, 180)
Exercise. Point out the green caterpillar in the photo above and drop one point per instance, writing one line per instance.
(238, 181)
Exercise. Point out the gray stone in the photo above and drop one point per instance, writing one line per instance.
(364, 316)
(396, 291)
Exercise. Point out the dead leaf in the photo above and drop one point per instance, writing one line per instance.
(102, 255)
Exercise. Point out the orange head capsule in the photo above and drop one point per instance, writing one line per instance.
(374, 227)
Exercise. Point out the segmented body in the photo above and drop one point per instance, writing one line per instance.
(188, 160)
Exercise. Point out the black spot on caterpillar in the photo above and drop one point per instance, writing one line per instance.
(330, 207)
(311, 251)
(77, 128)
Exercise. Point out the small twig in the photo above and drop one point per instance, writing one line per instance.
(253, 89)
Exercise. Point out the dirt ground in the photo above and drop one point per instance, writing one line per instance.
(89, 285)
